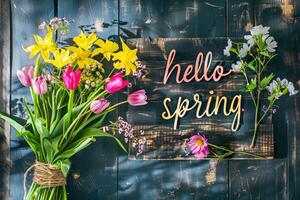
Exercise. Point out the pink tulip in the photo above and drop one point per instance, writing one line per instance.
(26, 75)
(39, 85)
(71, 78)
(98, 106)
(137, 98)
(116, 83)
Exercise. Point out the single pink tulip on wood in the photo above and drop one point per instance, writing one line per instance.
(71, 78)
(137, 98)
(26, 75)
(116, 83)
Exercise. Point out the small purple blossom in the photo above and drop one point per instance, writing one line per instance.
(139, 73)
(125, 128)
(141, 145)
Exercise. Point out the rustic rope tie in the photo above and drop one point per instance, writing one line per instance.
(45, 175)
(48, 175)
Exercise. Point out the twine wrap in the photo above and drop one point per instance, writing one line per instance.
(48, 175)
(45, 175)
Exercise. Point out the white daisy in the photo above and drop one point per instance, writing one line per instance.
(227, 48)
(244, 50)
(257, 30)
(236, 67)
(271, 44)
(250, 40)
(291, 89)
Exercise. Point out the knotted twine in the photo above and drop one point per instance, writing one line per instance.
(45, 175)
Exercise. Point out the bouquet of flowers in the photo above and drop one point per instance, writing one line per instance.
(253, 58)
(71, 89)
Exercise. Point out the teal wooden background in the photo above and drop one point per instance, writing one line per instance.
(104, 172)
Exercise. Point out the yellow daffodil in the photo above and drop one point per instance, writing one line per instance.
(125, 59)
(61, 58)
(82, 56)
(107, 48)
(85, 42)
(43, 46)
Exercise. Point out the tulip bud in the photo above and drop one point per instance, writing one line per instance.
(71, 78)
(39, 85)
(99, 105)
(26, 75)
(116, 83)
(137, 98)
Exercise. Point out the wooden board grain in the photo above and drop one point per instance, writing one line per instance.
(116, 177)
(5, 62)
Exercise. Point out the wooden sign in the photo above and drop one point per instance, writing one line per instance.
(191, 89)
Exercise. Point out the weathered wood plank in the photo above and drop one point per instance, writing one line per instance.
(26, 15)
(240, 17)
(258, 179)
(156, 18)
(156, 179)
(94, 171)
(248, 180)
(4, 95)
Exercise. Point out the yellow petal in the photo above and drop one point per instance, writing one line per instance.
(97, 51)
(45, 55)
(48, 38)
(100, 43)
(38, 39)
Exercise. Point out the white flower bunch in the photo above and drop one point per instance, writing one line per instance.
(253, 57)
(278, 88)
(259, 37)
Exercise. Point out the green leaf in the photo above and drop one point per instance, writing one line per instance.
(252, 66)
(75, 149)
(41, 129)
(264, 53)
(243, 90)
(49, 150)
(94, 132)
(252, 85)
(285, 91)
(265, 81)
(65, 166)
(32, 118)
(12, 122)
(59, 127)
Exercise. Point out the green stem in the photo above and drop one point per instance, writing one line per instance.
(118, 104)
(234, 152)
(251, 93)
(265, 113)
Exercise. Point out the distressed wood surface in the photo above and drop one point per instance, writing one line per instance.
(104, 173)
(4, 96)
